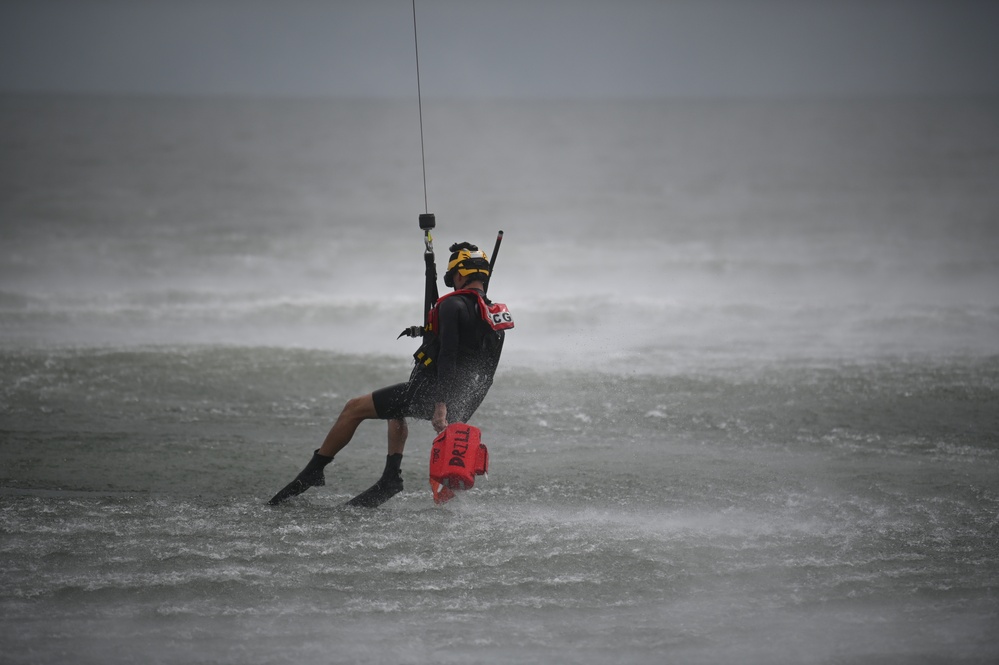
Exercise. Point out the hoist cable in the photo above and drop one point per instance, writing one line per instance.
(419, 98)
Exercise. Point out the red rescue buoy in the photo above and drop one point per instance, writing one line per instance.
(456, 457)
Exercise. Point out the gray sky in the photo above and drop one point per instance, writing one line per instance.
(502, 48)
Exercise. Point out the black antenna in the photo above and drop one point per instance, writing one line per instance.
(492, 261)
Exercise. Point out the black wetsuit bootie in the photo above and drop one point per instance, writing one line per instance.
(310, 476)
(387, 486)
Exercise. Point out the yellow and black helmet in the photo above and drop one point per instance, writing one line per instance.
(466, 259)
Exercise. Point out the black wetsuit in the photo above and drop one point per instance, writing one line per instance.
(466, 352)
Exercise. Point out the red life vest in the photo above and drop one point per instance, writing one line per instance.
(456, 457)
(495, 314)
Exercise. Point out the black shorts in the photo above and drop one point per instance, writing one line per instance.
(415, 399)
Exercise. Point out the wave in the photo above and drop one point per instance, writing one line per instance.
(627, 332)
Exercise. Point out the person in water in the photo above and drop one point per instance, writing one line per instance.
(454, 370)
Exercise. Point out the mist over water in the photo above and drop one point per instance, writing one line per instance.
(787, 229)
(748, 413)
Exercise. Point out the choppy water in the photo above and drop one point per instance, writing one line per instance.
(749, 412)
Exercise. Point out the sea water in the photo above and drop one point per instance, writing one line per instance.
(749, 412)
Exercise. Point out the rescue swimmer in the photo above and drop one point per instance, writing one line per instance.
(454, 367)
